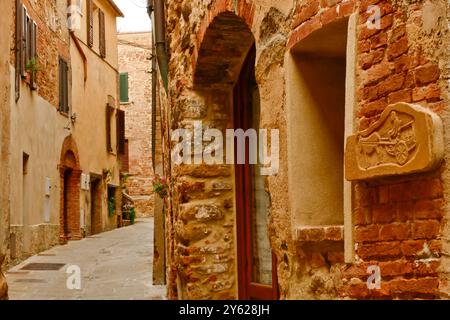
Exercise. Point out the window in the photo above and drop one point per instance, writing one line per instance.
(63, 86)
(33, 55)
(109, 117)
(90, 23)
(23, 41)
(79, 4)
(102, 33)
(120, 130)
(27, 47)
(316, 94)
(124, 98)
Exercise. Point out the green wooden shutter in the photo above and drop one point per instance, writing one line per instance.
(124, 87)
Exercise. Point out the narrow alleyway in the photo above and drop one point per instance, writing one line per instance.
(114, 265)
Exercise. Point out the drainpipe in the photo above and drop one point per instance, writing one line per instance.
(159, 25)
(150, 10)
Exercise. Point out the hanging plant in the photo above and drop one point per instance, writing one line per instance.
(160, 186)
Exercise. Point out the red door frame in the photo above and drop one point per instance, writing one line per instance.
(248, 290)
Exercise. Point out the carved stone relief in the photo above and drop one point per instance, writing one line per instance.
(406, 139)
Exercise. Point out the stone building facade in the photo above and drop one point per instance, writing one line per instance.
(5, 87)
(135, 66)
(322, 73)
(63, 142)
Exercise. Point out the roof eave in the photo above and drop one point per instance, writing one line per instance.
(119, 12)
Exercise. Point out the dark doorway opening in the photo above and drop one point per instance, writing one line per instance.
(96, 206)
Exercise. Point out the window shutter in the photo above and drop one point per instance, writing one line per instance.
(66, 87)
(34, 31)
(24, 35)
(101, 19)
(29, 37)
(18, 46)
(109, 113)
(120, 132)
(90, 22)
(63, 86)
(60, 76)
(124, 87)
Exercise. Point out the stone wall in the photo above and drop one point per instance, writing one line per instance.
(5, 86)
(398, 223)
(135, 51)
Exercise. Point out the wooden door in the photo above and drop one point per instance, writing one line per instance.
(256, 263)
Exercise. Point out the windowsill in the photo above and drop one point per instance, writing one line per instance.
(64, 114)
(320, 233)
(125, 103)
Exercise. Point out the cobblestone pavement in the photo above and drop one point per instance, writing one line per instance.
(115, 265)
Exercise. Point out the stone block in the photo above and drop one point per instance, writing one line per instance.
(406, 139)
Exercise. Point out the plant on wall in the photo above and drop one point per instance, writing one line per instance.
(32, 66)
(111, 206)
(160, 186)
(132, 215)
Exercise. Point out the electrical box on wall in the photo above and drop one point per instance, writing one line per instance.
(48, 187)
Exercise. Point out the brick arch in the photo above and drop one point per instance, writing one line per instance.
(314, 15)
(223, 42)
(69, 154)
(70, 184)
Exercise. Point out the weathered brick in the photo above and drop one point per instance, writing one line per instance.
(424, 285)
(430, 92)
(380, 250)
(396, 268)
(412, 247)
(395, 231)
(367, 234)
(397, 48)
(428, 209)
(383, 213)
(427, 229)
(305, 12)
(426, 74)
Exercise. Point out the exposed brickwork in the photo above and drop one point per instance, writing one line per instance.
(52, 43)
(398, 224)
(135, 59)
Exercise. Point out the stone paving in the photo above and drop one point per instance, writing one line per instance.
(115, 265)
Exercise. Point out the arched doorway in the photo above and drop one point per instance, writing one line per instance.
(70, 180)
(227, 59)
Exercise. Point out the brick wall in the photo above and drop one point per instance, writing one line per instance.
(399, 224)
(52, 43)
(135, 58)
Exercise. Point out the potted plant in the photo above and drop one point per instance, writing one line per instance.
(160, 186)
(32, 66)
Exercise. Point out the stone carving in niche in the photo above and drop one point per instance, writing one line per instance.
(406, 139)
